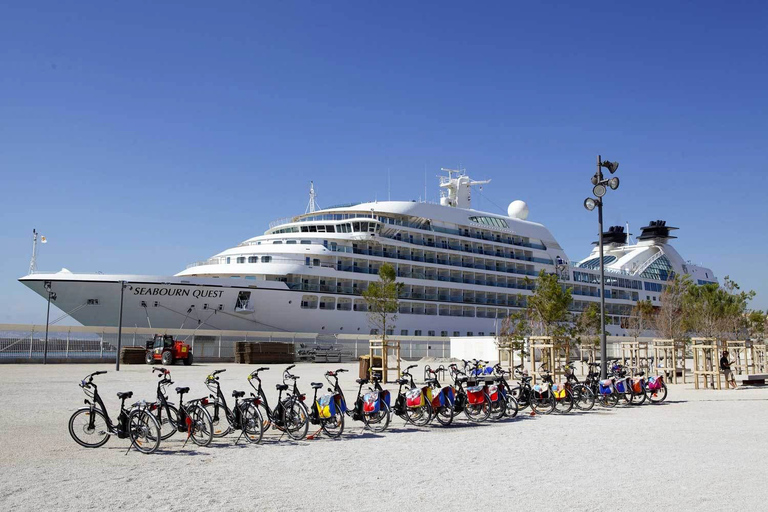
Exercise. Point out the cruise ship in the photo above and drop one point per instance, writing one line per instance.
(463, 270)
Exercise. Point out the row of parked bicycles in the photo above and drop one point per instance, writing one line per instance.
(477, 390)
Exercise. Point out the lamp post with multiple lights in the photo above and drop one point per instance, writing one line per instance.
(600, 188)
(51, 296)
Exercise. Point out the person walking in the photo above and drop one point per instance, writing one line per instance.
(725, 367)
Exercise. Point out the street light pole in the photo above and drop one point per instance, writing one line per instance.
(47, 321)
(119, 327)
(603, 341)
(601, 186)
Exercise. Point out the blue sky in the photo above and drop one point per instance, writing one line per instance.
(141, 137)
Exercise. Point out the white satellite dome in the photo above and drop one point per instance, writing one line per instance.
(518, 210)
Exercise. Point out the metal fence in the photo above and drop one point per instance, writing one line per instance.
(25, 343)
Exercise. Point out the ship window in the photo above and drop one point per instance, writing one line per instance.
(304, 229)
(228, 260)
(277, 242)
(330, 229)
(417, 332)
(403, 332)
(241, 259)
(253, 259)
(456, 333)
(374, 331)
(390, 332)
(266, 259)
(290, 242)
(306, 242)
(444, 334)
(430, 333)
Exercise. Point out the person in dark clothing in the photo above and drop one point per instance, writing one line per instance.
(725, 367)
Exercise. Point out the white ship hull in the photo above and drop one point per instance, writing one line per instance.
(173, 303)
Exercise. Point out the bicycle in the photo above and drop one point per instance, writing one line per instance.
(503, 402)
(372, 408)
(191, 418)
(443, 398)
(603, 390)
(290, 415)
(561, 394)
(244, 416)
(91, 427)
(583, 397)
(656, 389)
(328, 411)
(412, 405)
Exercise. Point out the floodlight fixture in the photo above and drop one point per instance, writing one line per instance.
(614, 183)
(599, 190)
(611, 166)
(590, 203)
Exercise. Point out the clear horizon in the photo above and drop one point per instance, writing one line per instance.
(141, 138)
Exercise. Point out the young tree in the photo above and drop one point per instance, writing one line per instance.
(548, 307)
(640, 318)
(588, 325)
(718, 311)
(670, 319)
(382, 299)
(514, 330)
(549, 311)
(756, 322)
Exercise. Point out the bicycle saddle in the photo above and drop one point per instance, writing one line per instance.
(124, 394)
(430, 381)
(362, 381)
(181, 391)
(317, 385)
(281, 387)
(238, 394)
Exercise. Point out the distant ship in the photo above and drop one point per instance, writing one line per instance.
(463, 270)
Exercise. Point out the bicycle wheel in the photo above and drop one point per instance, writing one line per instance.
(610, 400)
(266, 419)
(251, 422)
(83, 433)
(565, 404)
(498, 408)
(144, 431)
(657, 396)
(444, 415)
(295, 419)
(542, 404)
(378, 421)
(478, 412)
(583, 398)
(168, 421)
(512, 406)
(420, 416)
(334, 426)
(522, 396)
(200, 425)
(639, 398)
(218, 413)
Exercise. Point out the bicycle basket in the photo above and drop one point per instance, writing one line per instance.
(606, 387)
(449, 395)
(621, 386)
(475, 395)
(493, 393)
(371, 402)
(414, 398)
(654, 383)
(326, 406)
(637, 385)
(559, 391)
(438, 399)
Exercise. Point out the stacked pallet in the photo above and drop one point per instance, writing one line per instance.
(132, 355)
(263, 352)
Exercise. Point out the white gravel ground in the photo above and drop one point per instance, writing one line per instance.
(702, 450)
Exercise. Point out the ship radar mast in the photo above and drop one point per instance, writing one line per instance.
(312, 205)
(457, 188)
